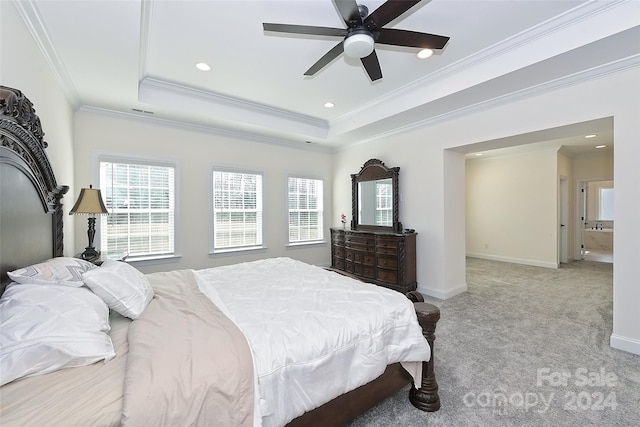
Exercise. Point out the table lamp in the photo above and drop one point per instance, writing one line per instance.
(90, 203)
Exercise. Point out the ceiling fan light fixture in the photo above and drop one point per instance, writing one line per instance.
(358, 45)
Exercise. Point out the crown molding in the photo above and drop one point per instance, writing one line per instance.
(158, 92)
(559, 83)
(30, 15)
(210, 130)
(146, 14)
(433, 83)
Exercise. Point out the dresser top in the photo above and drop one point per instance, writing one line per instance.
(382, 233)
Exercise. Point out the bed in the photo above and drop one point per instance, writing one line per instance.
(107, 393)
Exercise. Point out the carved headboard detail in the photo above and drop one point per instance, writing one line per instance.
(23, 160)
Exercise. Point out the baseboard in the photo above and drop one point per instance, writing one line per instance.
(532, 262)
(442, 295)
(625, 344)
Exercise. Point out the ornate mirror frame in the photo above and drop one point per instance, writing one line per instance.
(374, 170)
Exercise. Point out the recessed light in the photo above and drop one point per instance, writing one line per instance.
(203, 66)
(601, 146)
(593, 135)
(478, 154)
(329, 104)
(424, 53)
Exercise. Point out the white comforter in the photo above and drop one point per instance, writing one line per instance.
(314, 334)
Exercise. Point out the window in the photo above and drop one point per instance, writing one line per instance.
(305, 210)
(140, 198)
(384, 203)
(237, 210)
(606, 204)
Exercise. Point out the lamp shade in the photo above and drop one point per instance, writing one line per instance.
(89, 202)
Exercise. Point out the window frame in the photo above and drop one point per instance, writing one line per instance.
(147, 161)
(321, 227)
(234, 249)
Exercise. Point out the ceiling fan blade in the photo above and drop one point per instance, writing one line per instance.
(305, 29)
(372, 65)
(349, 11)
(387, 12)
(326, 59)
(408, 38)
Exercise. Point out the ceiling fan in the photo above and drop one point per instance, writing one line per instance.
(362, 32)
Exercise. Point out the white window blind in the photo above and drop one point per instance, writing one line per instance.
(141, 201)
(305, 210)
(237, 210)
(384, 201)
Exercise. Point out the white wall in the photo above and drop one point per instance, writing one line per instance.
(594, 166)
(626, 267)
(512, 201)
(512, 208)
(23, 67)
(428, 169)
(196, 152)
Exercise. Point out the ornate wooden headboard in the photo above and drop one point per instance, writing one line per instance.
(30, 198)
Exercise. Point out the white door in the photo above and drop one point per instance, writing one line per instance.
(563, 234)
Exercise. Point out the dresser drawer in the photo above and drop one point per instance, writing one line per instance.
(387, 276)
(359, 246)
(386, 250)
(388, 241)
(358, 239)
(349, 255)
(366, 258)
(338, 263)
(338, 251)
(387, 262)
(364, 270)
(348, 266)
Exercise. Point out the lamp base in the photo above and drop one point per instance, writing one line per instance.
(90, 253)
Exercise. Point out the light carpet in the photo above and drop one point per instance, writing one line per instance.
(526, 346)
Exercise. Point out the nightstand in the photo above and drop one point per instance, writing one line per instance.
(116, 256)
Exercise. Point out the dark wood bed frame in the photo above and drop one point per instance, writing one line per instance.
(30, 198)
(31, 224)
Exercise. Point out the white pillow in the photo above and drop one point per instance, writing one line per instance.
(65, 271)
(124, 289)
(47, 328)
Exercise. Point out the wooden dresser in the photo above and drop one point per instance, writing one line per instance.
(385, 258)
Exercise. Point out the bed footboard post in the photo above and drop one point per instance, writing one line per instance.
(426, 397)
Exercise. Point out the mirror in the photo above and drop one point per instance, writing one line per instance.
(598, 200)
(374, 197)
